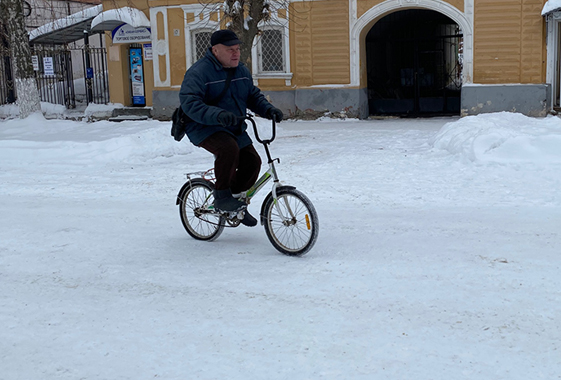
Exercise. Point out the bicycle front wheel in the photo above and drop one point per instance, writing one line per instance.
(291, 223)
(193, 201)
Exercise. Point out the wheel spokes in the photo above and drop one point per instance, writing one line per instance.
(290, 222)
(202, 225)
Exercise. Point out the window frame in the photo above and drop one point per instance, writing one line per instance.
(193, 33)
(202, 22)
(260, 53)
(280, 24)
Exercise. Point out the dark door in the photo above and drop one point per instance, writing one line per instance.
(414, 64)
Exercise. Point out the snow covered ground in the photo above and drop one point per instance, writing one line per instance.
(438, 255)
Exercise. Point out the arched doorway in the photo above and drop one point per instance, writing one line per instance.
(414, 64)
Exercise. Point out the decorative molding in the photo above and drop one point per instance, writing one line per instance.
(353, 11)
(286, 76)
(160, 46)
(552, 45)
(467, 72)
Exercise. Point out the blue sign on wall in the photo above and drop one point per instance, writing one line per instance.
(137, 77)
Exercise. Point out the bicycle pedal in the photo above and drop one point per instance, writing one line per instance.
(233, 214)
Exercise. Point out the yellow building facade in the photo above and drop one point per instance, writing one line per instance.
(358, 57)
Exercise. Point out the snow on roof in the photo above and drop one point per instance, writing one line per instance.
(550, 6)
(66, 22)
(112, 18)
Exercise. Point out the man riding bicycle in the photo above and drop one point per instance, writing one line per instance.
(215, 94)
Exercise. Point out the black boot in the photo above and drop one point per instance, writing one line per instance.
(249, 220)
(224, 201)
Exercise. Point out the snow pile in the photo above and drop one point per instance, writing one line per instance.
(101, 110)
(9, 111)
(51, 111)
(59, 111)
(104, 141)
(501, 138)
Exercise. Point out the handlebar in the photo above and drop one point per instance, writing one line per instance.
(264, 142)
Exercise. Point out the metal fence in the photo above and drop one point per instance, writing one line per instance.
(55, 75)
(96, 81)
(53, 71)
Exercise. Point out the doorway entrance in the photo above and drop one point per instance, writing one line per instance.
(414, 61)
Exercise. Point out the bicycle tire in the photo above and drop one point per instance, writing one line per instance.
(194, 194)
(293, 237)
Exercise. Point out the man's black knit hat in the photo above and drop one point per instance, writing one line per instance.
(224, 37)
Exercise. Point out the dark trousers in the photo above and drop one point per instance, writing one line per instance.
(235, 169)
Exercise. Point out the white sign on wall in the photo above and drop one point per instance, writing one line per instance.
(147, 52)
(35, 62)
(48, 66)
(126, 34)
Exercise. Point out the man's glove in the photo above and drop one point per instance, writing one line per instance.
(274, 114)
(227, 119)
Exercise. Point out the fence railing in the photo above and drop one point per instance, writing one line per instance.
(55, 70)
(96, 81)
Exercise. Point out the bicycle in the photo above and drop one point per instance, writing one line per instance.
(288, 216)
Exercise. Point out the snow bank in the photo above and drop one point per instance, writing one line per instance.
(101, 110)
(70, 141)
(52, 111)
(488, 138)
(58, 111)
(501, 138)
(8, 111)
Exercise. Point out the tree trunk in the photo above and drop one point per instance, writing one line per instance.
(26, 87)
(243, 20)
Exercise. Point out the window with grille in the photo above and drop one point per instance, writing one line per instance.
(272, 56)
(201, 42)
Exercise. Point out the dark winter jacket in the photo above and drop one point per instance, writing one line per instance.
(203, 82)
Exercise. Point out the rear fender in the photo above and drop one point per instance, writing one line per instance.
(186, 187)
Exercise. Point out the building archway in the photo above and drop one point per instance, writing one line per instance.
(414, 64)
(361, 25)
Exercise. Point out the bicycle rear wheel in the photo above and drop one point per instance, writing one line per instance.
(291, 223)
(193, 201)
